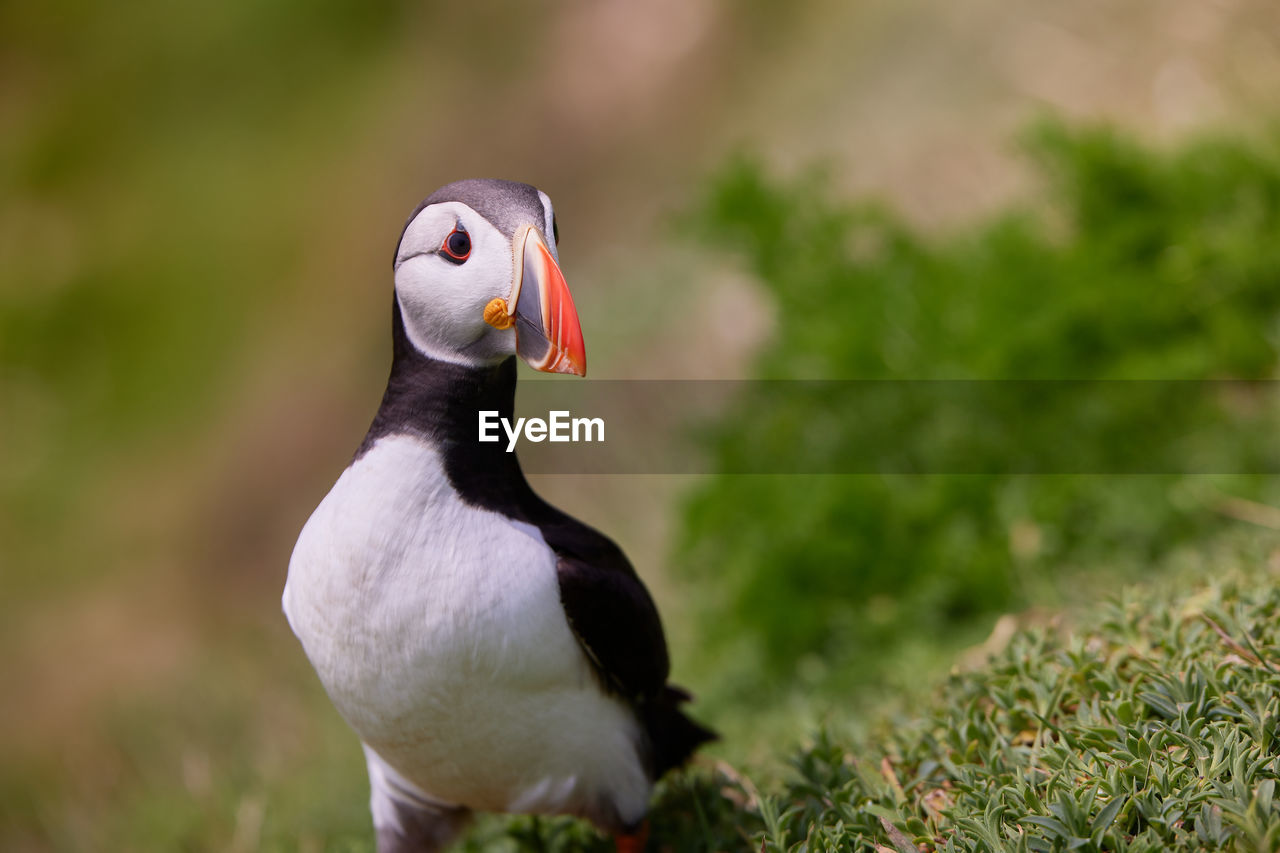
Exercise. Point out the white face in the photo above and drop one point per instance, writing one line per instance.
(442, 299)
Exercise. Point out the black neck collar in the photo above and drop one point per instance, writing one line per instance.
(439, 402)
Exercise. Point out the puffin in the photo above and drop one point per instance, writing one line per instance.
(491, 652)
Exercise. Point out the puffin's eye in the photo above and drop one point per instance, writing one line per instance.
(457, 246)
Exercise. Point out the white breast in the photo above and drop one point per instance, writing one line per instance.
(437, 629)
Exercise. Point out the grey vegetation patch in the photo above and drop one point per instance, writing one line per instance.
(1155, 729)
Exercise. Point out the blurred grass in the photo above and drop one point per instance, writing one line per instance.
(158, 209)
(152, 195)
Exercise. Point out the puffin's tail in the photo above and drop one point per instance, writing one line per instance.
(673, 737)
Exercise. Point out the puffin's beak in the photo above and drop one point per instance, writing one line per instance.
(548, 334)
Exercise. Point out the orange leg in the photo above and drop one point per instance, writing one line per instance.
(635, 842)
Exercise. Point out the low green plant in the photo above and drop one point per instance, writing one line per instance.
(1155, 728)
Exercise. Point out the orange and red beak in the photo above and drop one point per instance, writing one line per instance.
(548, 334)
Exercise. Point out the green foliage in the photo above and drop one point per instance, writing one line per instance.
(1143, 265)
(1154, 730)
(1150, 272)
(692, 813)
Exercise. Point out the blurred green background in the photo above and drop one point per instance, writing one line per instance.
(197, 209)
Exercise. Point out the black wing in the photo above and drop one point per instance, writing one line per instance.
(609, 610)
(617, 625)
(614, 619)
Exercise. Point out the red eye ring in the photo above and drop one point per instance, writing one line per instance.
(457, 246)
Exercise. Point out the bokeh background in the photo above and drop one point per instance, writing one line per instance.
(198, 205)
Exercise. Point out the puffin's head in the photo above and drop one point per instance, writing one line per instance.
(477, 279)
